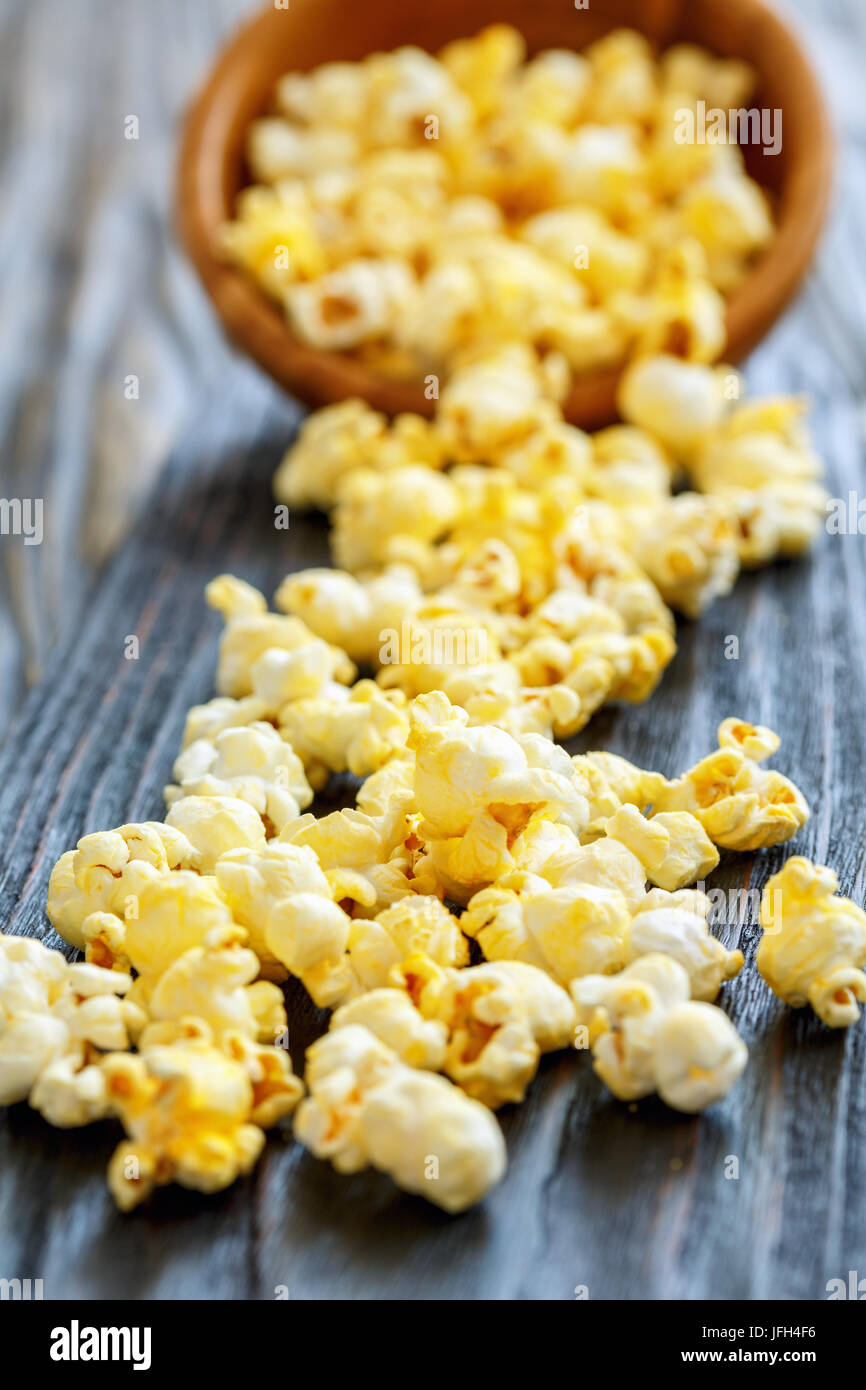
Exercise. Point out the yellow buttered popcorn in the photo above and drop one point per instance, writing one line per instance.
(217, 983)
(553, 852)
(214, 824)
(367, 1108)
(740, 804)
(168, 915)
(813, 947)
(673, 846)
(56, 1020)
(676, 931)
(222, 712)
(251, 631)
(187, 1108)
(494, 404)
(350, 612)
(274, 236)
(107, 870)
(679, 404)
(500, 1017)
(754, 457)
(478, 788)
(352, 304)
(647, 1035)
(566, 931)
(251, 762)
(367, 856)
(688, 548)
(413, 208)
(388, 518)
(358, 730)
(416, 923)
(391, 1016)
(280, 894)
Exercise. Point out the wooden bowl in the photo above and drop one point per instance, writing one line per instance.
(240, 87)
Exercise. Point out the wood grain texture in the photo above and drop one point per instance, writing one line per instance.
(634, 1205)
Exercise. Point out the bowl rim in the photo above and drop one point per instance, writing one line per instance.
(317, 377)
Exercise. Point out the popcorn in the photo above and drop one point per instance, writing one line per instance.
(740, 804)
(417, 210)
(274, 236)
(55, 1019)
(673, 846)
(553, 853)
(366, 857)
(213, 982)
(207, 720)
(678, 403)
(169, 914)
(187, 1109)
(280, 894)
(349, 612)
(367, 1108)
(683, 935)
(492, 405)
(391, 1016)
(251, 631)
(349, 305)
(813, 947)
(566, 931)
(107, 870)
(500, 1017)
(358, 731)
(250, 762)
(382, 518)
(213, 824)
(416, 923)
(334, 441)
(688, 548)
(478, 788)
(646, 1035)
(613, 261)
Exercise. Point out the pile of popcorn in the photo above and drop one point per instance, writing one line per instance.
(412, 210)
(489, 897)
(501, 575)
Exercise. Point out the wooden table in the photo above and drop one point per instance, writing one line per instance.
(629, 1205)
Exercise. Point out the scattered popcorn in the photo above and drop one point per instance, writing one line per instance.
(366, 858)
(417, 923)
(813, 947)
(503, 576)
(251, 631)
(684, 936)
(478, 788)
(170, 914)
(280, 894)
(741, 805)
(251, 762)
(357, 731)
(391, 1016)
(578, 929)
(56, 1020)
(499, 1017)
(646, 1035)
(368, 1108)
(107, 871)
(213, 824)
(214, 983)
(673, 846)
(187, 1108)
